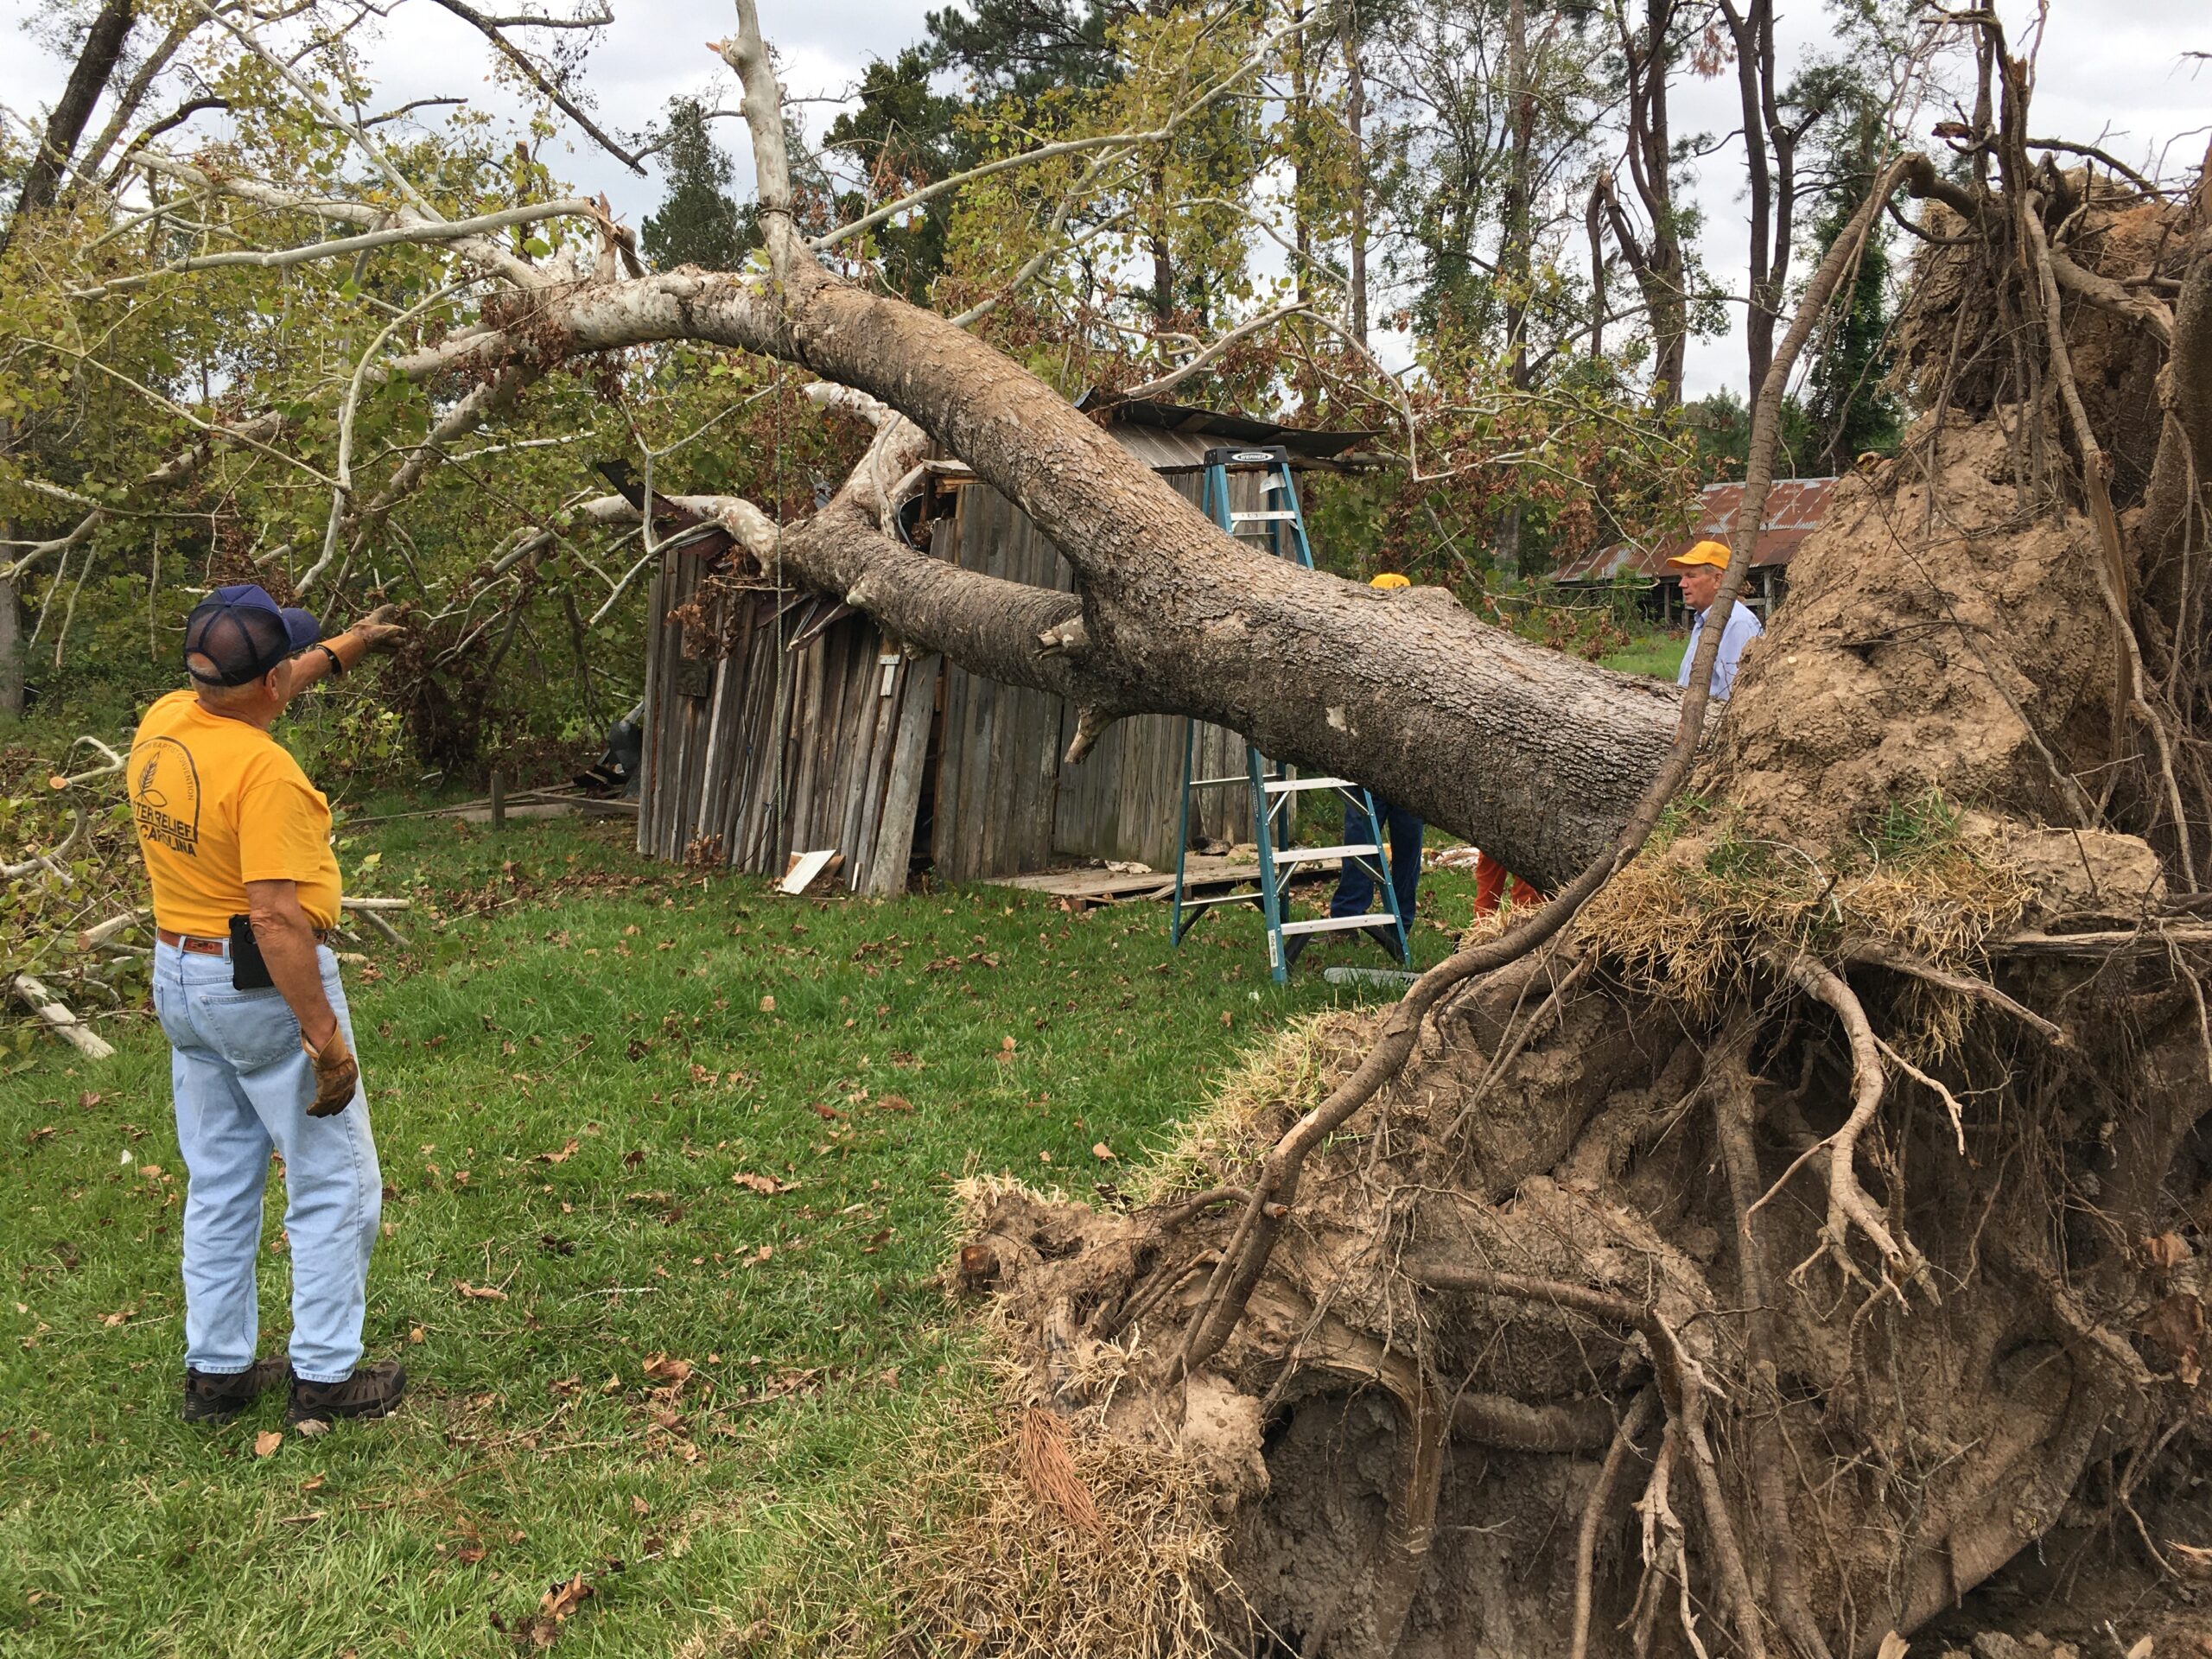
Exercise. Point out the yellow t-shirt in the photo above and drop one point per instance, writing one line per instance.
(218, 803)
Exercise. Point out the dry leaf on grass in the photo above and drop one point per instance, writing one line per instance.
(562, 1600)
(266, 1442)
(479, 1293)
(767, 1185)
(1104, 1152)
(662, 1368)
(559, 1157)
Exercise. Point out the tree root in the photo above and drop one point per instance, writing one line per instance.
(1684, 1388)
(1640, 1413)
(1849, 1204)
(1964, 984)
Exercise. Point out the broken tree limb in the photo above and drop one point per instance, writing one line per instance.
(34, 994)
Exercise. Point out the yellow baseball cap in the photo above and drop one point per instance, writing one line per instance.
(1711, 553)
(1391, 579)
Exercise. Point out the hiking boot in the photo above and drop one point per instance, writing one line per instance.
(217, 1396)
(371, 1391)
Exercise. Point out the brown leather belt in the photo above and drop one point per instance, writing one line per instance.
(199, 947)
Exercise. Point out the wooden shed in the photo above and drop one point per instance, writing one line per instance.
(785, 722)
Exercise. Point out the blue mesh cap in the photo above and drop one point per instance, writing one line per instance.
(239, 633)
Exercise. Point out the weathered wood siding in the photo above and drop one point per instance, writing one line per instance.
(1005, 803)
(766, 751)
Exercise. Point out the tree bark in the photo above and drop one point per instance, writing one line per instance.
(11, 649)
(95, 63)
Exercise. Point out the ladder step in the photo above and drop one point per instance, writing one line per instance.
(1321, 855)
(1272, 516)
(1218, 783)
(1284, 785)
(1380, 919)
(1203, 900)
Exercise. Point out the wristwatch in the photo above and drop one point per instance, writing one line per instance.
(337, 664)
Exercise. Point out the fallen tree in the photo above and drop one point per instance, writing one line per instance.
(1820, 1165)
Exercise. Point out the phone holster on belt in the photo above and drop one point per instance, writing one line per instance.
(248, 971)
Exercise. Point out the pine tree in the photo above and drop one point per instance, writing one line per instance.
(698, 222)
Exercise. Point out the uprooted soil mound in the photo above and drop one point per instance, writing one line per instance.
(1769, 1258)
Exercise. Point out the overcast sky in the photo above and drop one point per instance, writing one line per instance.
(2111, 71)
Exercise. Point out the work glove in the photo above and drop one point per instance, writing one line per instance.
(381, 629)
(337, 1073)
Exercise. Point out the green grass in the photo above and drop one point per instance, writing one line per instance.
(564, 1079)
(1657, 654)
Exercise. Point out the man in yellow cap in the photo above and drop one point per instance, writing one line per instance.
(1700, 569)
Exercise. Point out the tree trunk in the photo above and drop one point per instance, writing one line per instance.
(11, 649)
(1405, 692)
(88, 79)
(1356, 124)
(1655, 259)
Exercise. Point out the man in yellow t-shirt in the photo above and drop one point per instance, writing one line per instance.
(237, 845)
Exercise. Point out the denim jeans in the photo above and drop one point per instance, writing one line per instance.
(1355, 891)
(243, 1086)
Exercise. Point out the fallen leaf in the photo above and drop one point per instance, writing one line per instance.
(481, 1293)
(760, 1256)
(767, 1004)
(311, 1483)
(1104, 1152)
(562, 1600)
(469, 1555)
(894, 1103)
(266, 1442)
(2176, 1325)
(414, 1334)
(767, 1185)
(638, 1506)
(89, 1099)
(559, 1157)
(662, 1368)
(1226, 1020)
(2165, 1252)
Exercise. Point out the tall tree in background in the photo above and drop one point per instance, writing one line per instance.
(1025, 48)
(699, 222)
(1649, 36)
(901, 137)
(1850, 409)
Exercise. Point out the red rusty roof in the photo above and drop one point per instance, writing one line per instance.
(1794, 509)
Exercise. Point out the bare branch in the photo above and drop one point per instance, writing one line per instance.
(369, 147)
(412, 234)
(1168, 383)
(490, 28)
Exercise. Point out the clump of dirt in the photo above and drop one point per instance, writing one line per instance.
(1943, 634)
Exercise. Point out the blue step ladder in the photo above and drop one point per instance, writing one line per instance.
(1278, 524)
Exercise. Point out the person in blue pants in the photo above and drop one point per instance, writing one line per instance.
(1355, 894)
(1355, 890)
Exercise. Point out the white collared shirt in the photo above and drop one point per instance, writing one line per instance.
(1743, 628)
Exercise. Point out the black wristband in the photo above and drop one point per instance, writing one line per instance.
(337, 665)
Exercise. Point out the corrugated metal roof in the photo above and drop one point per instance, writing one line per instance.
(1795, 507)
(1211, 427)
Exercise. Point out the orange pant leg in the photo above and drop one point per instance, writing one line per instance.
(1490, 878)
